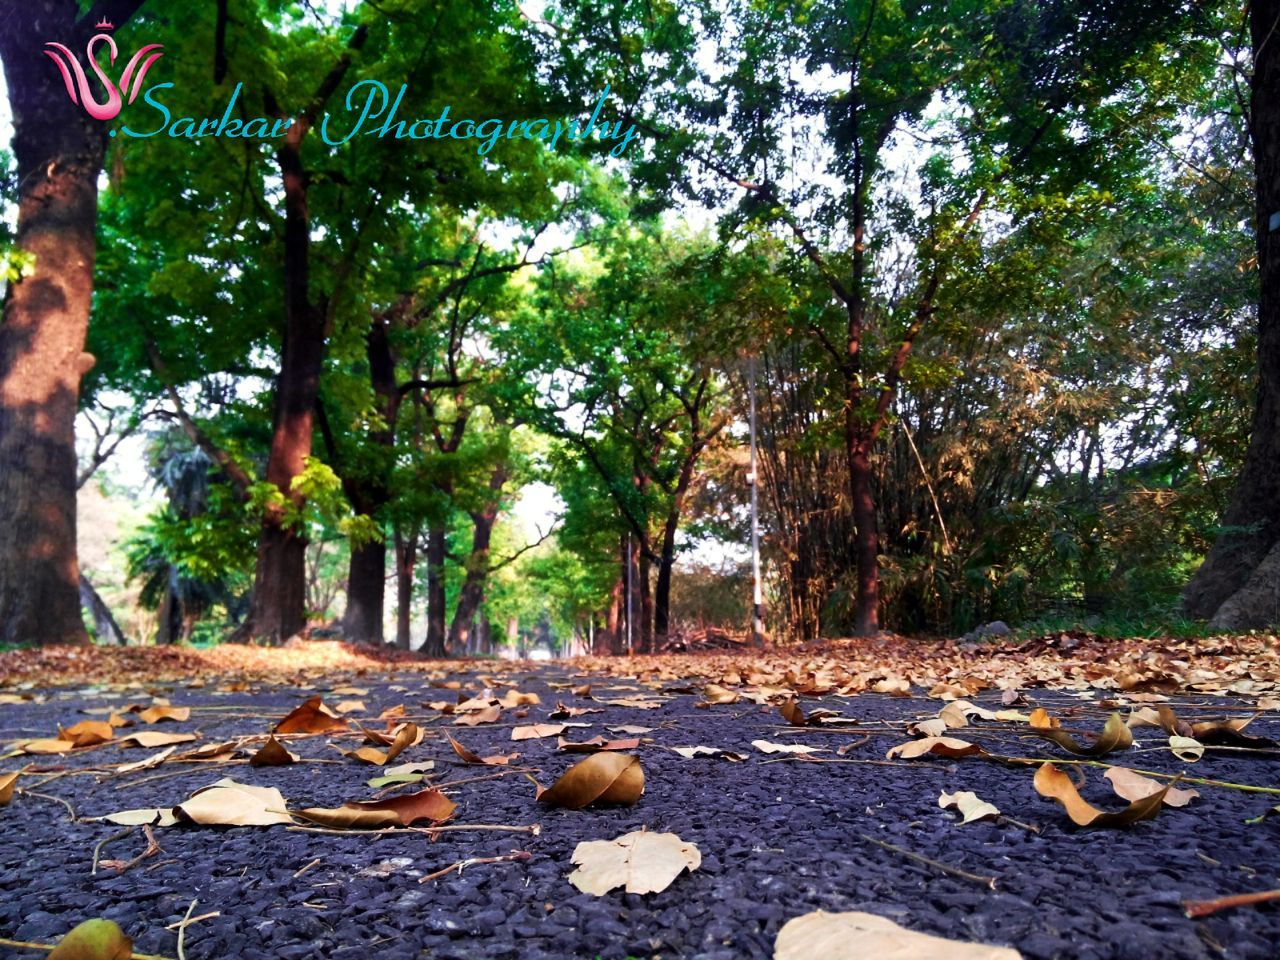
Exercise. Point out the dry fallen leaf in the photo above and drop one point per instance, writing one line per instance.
(1053, 783)
(893, 686)
(95, 939)
(942, 746)
(841, 936)
(350, 706)
(596, 744)
(148, 762)
(1186, 749)
(311, 717)
(606, 778)
(629, 728)
(402, 811)
(514, 698)
(272, 754)
(484, 715)
(970, 806)
(1131, 785)
(87, 733)
(469, 757)
(231, 804)
(153, 738)
(641, 862)
(714, 693)
(536, 731)
(934, 727)
(1115, 736)
(407, 735)
(155, 714)
(151, 816)
(7, 780)
(690, 753)
(765, 746)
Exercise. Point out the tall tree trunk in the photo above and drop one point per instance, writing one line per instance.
(437, 551)
(644, 642)
(471, 595)
(369, 494)
(609, 640)
(59, 151)
(406, 561)
(867, 546)
(1253, 517)
(366, 592)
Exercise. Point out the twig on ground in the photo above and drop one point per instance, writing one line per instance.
(153, 848)
(47, 796)
(988, 882)
(97, 850)
(473, 861)
(301, 870)
(182, 932)
(1203, 908)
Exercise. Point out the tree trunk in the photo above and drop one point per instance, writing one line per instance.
(437, 550)
(1253, 517)
(366, 590)
(406, 561)
(867, 546)
(609, 640)
(59, 151)
(644, 643)
(104, 623)
(472, 594)
(279, 586)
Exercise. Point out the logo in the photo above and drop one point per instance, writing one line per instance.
(77, 82)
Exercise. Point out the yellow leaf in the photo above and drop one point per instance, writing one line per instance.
(640, 862)
(1053, 783)
(840, 936)
(95, 939)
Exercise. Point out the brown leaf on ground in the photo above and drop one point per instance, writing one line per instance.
(596, 744)
(1228, 733)
(7, 780)
(469, 757)
(562, 712)
(147, 762)
(892, 686)
(640, 862)
(156, 714)
(402, 811)
(582, 691)
(839, 936)
(154, 738)
(939, 746)
(350, 706)
(1115, 736)
(633, 703)
(969, 805)
(87, 733)
(536, 731)
(692, 753)
(311, 717)
(95, 939)
(484, 715)
(1131, 785)
(604, 778)
(514, 698)
(1040, 720)
(272, 754)
(231, 804)
(1053, 783)
(407, 735)
(714, 693)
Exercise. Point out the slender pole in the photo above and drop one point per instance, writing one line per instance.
(757, 594)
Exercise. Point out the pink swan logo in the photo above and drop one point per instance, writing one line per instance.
(130, 80)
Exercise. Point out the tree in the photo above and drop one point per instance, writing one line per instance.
(59, 150)
(1235, 588)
